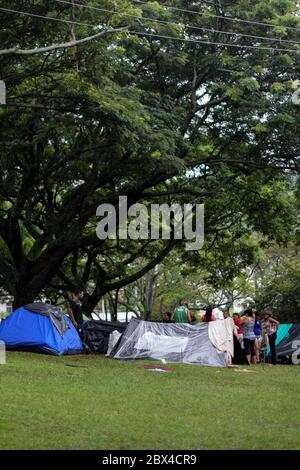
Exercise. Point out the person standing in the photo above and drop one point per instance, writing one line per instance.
(181, 314)
(192, 316)
(75, 310)
(258, 336)
(208, 315)
(167, 317)
(239, 327)
(271, 327)
(249, 335)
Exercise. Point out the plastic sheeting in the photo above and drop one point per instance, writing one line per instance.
(96, 334)
(161, 344)
(286, 344)
(56, 316)
(113, 340)
(183, 343)
(282, 333)
(220, 333)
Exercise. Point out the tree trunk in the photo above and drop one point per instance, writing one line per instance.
(149, 293)
(115, 307)
(90, 302)
(22, 298)
(105, 308)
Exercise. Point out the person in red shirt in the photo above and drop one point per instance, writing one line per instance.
(239, 326)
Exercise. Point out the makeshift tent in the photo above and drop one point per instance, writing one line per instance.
(287, 342)
(40, 327)
(97, 332)
(208, 344)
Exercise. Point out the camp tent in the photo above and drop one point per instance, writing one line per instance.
(40, 327)
(97, 333)
(288, 343)
(208, 344)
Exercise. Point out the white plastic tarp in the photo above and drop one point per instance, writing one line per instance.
(170, 342)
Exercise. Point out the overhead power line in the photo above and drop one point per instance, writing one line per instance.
(161, 36)
(172, 23)
(51, 18)
(196, 41)
(227, 18)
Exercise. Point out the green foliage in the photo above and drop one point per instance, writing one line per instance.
(279, 287)
(148, 117)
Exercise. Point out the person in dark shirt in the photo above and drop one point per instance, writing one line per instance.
(167, 318)
(271, 327)
(75, 310)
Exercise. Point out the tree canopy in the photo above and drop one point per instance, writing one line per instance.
(174, 101)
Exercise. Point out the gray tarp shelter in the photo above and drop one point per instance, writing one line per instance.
(189, 344)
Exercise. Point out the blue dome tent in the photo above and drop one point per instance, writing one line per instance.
(40, 327)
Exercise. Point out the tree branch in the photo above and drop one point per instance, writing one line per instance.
(64, 45)
(133, 277)
(132, 310)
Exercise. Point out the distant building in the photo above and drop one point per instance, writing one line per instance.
(122, 316)
(5, 309)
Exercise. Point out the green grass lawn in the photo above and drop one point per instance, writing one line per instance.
(90, 402)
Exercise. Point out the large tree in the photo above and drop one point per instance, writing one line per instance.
(161, 111)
